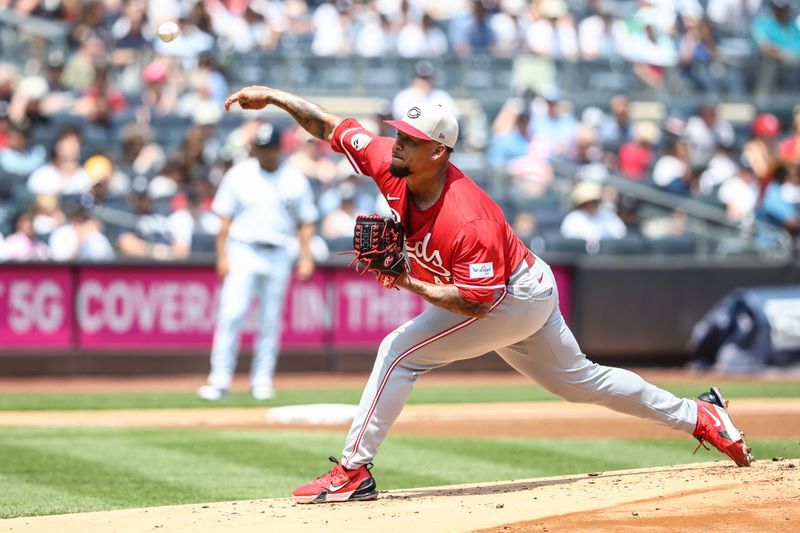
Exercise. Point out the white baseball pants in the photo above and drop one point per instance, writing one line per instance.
(261, 272)
(526, 329)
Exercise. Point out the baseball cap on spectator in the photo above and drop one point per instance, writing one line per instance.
(552, 9)
(32, 87)
(99, 168)
(766, 125)
(551, 93)
(585, 192)
(424, 69)
(267, 136)
(431, 122)
(56, 59)
(155, 72)
(207, 114)
(646, 132)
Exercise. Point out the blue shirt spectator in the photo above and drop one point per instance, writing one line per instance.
(777, 33)
(778, 210)
(510, 145)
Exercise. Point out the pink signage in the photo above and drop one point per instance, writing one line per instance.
(175, 307)
(35, 307)
(364, 311)
(162, 307)
(564, 284)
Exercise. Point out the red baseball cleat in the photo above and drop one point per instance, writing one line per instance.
(339, 485)
(715, 426)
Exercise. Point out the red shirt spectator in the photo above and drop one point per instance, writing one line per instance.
(635, 157)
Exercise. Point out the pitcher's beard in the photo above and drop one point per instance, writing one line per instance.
(399, 172)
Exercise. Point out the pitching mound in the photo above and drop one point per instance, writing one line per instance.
(700, 497)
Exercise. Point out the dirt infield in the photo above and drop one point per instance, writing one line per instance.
(762, 418)
(701, 497)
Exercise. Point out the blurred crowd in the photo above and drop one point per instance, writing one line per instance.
(753, 173)
(113, 146)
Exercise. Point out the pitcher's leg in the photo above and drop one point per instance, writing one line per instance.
(431, 340)
(553, 358)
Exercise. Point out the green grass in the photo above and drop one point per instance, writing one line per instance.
(437, 394)
(51, 471)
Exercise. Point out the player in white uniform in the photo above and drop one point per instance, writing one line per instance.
(264, 204)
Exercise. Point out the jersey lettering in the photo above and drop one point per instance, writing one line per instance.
(429, 261)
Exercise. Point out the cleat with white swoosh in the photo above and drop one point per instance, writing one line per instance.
(715, 426)
(339, 485)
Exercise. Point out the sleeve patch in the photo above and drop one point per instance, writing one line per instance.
(359, 141)
(481, 270)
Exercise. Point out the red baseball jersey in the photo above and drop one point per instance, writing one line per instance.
(463, 239)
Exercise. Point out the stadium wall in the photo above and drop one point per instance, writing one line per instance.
(158, 318)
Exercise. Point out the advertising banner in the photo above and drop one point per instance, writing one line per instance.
(176, 307)
(35, 307)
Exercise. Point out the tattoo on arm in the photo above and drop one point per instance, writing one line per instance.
(313, 118)
(446, 297)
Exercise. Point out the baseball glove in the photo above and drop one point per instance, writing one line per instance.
(378, 244)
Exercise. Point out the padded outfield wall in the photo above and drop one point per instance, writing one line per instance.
(159, 318)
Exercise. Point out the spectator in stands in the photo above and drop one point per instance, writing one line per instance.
(139, 155)
(101, 101)
(739, 195)
(697, 52)
(505, 147)
(246, 28)
(789, 149)
(672, 171)
(375, 37)
(526, 227)
(650, 48)
(589, 220)
(59, 98)
(63, 173)
(158, 97)
(705, 129)
(331, 25)
(19, 157)
(215, 75)
(587, 151)
(422, 39)
(131, 34)
(148, 237)
(777, 33)
(80, 67)
(553, 126)
(553, 34)
(779, 207)
(311, 157)
(173, 176)
(339, 222)
(637, 156)
(48, 214)
(185, 223)
(26, 105)
(362, 189)
(192, 153)
(602, 35)
(80, 239)
(734, 16)
(9, 77)
(616, 127)
(473, 34)
(760, 151)
(422, 89)
(108, 183)
(722, 166)
(22, 245)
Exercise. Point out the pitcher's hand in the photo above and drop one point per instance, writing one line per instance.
(253, 97)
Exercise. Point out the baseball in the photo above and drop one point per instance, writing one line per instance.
(168, 31)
